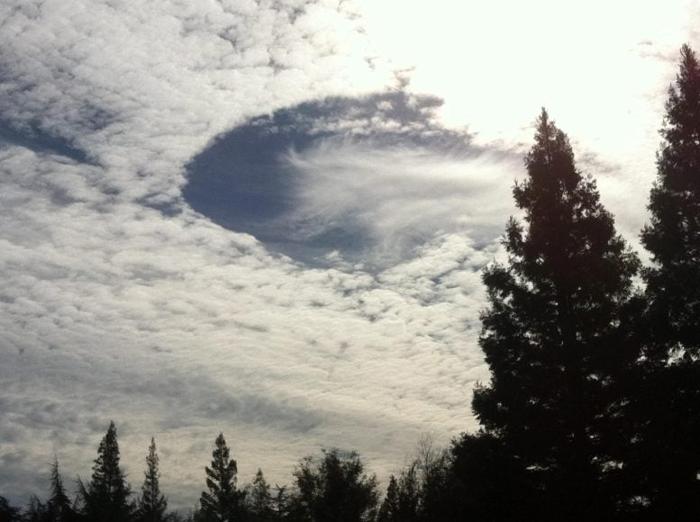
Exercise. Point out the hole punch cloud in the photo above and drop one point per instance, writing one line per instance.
(364, 180)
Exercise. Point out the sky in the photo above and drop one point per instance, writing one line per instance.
(268, 219)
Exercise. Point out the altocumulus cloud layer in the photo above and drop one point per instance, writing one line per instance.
(119, 300)
(209, 223)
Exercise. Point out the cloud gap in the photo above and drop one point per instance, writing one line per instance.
(365, 180)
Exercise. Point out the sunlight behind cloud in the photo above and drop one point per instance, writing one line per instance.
(600, 68)
(496, 63)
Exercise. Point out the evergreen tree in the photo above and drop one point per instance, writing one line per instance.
(669, 454)
(555, 335)
(388, 512)
(487, 483)
(402, 502)
(281, 503)
(152, 504)
(106, 497)
(260, 500)
(35, 511)
(59, 508)
(223, 502)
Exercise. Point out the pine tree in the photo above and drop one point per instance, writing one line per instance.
(669, 454)
(260, 499)
(59, 508)
(152, 504)
(388, 512)
(223, 502)
(673, 236)
(106, 497)
(35, 511)
(555, 335)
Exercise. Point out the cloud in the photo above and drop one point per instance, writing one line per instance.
(118, 301)
(352, 180)
(399, 198)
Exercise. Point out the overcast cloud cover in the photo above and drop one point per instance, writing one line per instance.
(316, 287)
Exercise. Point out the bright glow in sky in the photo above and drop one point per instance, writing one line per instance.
(589, 62)
(602, 70)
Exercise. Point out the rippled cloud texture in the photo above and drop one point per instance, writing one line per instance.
(238, 216)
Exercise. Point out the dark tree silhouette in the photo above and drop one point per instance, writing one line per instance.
(8, 513)
(669, 454)
(106, 497)
(35, 511)
(402, 502)
(259, 500)
(281, 503)
(223, 502)
(553, 335)
(59, 507)
(423, 490)
(488, 483)
(432, 470)
(389, 510)
(334, 489)
(151, 504)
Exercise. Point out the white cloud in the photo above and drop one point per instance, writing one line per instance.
(401, 196)
(171, 325)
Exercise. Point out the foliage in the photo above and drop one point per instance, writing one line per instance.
(152, 504)
(59, 507)
(223, 502)
(334, 488)
(555, 334)
(106, 497)
(668, 401)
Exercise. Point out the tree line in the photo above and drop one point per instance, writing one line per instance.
(326, 487)
(592, 411)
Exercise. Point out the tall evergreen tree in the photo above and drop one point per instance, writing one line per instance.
(223, 502)
(106, 497)
(388, 512)
(59, 508)
(669, 452)
(259, 500)
(151, 504)
(555, 335)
